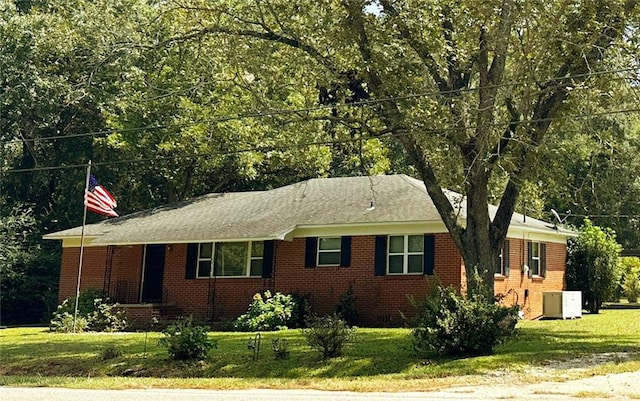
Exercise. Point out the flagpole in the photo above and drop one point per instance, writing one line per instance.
(84, 222)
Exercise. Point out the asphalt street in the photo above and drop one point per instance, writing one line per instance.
(462, 393)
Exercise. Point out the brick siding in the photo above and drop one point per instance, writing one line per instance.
(380, 300)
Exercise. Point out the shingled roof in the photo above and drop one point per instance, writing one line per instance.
(278, 213)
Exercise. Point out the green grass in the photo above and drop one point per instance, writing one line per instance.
(379, 359)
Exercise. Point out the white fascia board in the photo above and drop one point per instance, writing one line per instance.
(279, 236)
(538, 234)
(358, 229)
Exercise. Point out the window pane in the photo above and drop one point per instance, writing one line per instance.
(395, 264)
(396, 244)
(329, 243)
(256, 267)
(415, 264)
(535, 249)
(257, 249)
(204, 268)
(205, 251)
(416, 243)
(328, 258)
(535, 267)
(231, 258)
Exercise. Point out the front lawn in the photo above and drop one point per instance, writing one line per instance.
(378, 360)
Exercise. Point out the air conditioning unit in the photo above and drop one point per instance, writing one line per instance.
(562, 304)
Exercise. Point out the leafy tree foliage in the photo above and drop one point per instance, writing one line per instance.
(174, 99)
(28, 279)
(592, 265)
(470, 90)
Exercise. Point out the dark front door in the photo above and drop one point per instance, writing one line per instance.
(153, 273)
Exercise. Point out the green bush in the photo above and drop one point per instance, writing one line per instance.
(186, 341)
(110, 352)
(449, 324)
(347, 307)
(630, 272)
(328, 334)
(268, 312)
(592, 265)
(95, 313)
(63, 323)
(280, 348)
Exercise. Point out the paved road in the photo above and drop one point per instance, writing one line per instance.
(587, 390)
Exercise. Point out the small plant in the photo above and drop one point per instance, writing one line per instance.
(106, 317)
(96, 312)
(280, 348)
(268, 312)
(347, 307)
(328, 334)
(63, 323)
(110, 352)
(632, 288)
(186, 341)
(449, 324)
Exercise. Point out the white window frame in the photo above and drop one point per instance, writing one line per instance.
(535, 259)
(405, 255)
(319, 251)
(247, 265)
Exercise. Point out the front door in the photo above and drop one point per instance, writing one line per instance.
(153, 273)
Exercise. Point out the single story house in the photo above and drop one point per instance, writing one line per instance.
(379, 237)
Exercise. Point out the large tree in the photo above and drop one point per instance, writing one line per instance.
(469, 89)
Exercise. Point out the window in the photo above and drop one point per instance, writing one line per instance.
(537, 259)
(230, 259)
(534, 259)
(329, 251)
(405, 254)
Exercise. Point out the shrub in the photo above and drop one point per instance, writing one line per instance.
(280, 348)
(632, 288)
(592, 265)
(328, 334)
(630, 272)
(63, 323)
(268, 312)
(186, 341)
(95, 313)
(449, 324)
(110, 352)
(347, 307)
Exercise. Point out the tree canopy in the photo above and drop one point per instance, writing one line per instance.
(527, 105)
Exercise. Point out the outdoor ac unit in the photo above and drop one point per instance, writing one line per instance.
(562, 304)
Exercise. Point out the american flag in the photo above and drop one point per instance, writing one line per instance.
(99, 200)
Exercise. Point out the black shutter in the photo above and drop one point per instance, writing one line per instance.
(543, 259)
(505, 257)
(380, 263)
(530, 258)
(310, 251)
(192, 261)
(345, 251)
(429, 255)
(267, 258)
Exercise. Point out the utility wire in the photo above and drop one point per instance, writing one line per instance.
(305, 110)
(259, 148)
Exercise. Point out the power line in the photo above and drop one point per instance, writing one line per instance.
(305, 110)
(260, 148)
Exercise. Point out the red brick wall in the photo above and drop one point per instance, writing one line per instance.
(93, 270)
(379, 300)
(525, 291)
(221, 298)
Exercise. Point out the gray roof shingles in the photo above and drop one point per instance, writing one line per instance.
(274, 213)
